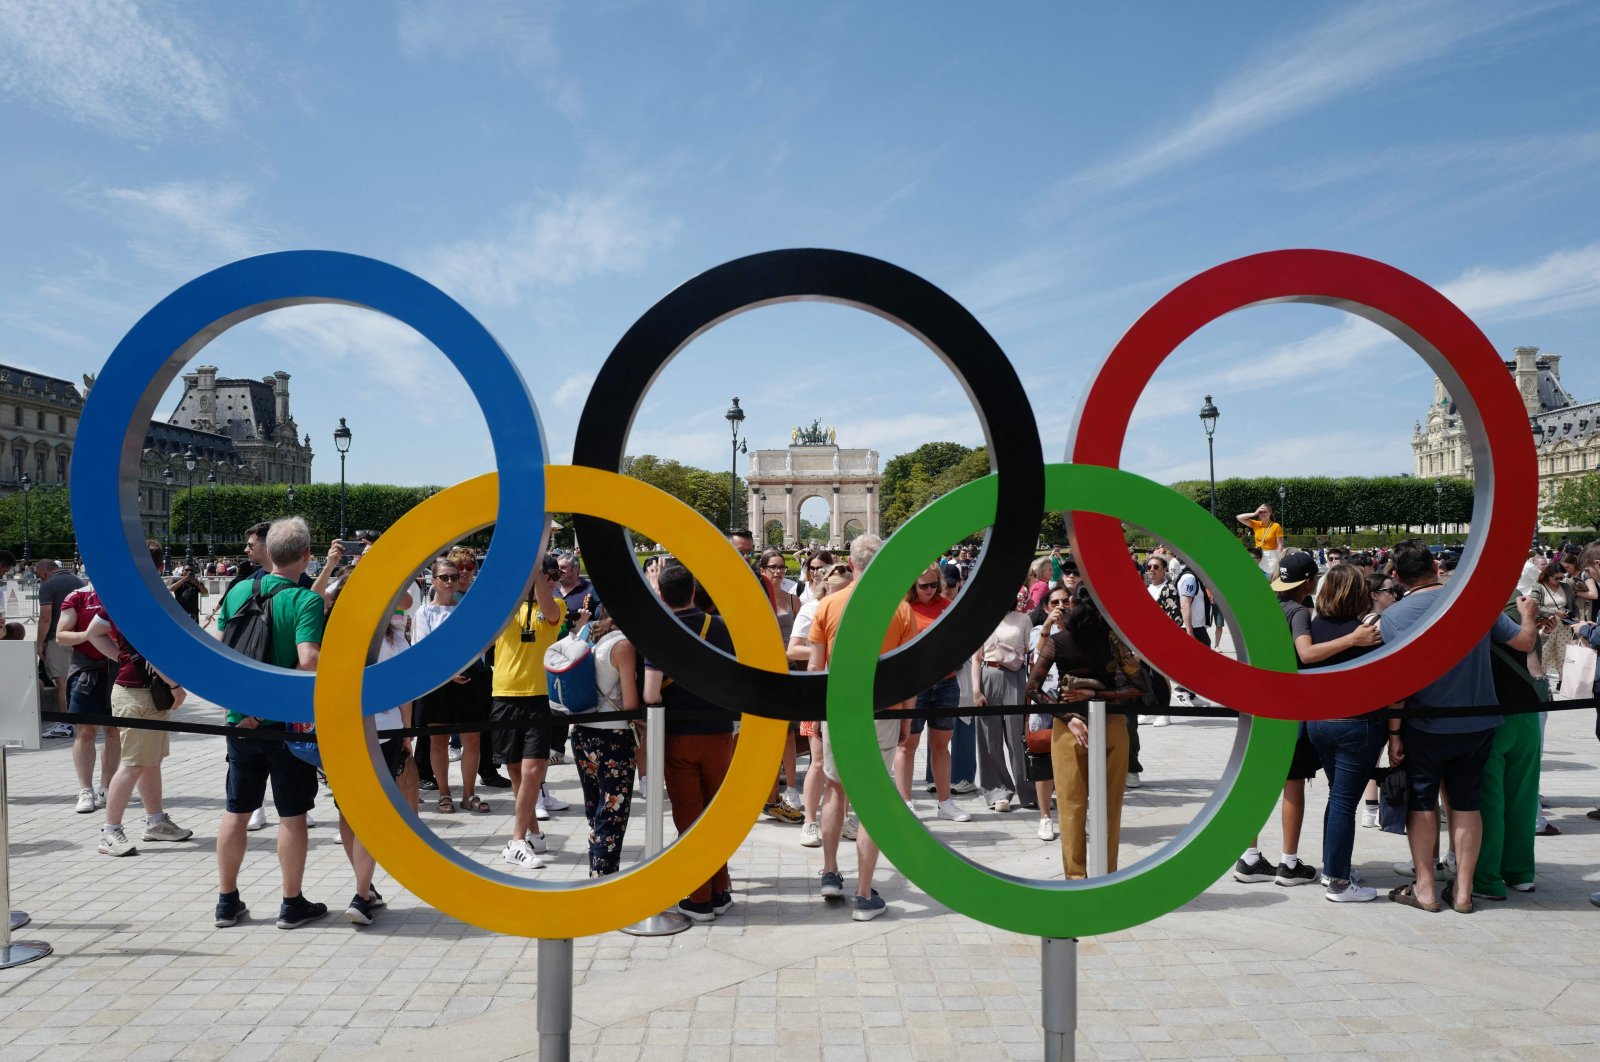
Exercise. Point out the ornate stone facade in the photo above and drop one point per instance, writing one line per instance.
(1568, 441)
(781, 481)
(38, 421)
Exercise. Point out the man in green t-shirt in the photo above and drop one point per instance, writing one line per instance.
(297, 620)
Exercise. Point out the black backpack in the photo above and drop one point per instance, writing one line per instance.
(249, 630)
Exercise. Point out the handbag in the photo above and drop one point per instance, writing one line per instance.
(1038, 741)
(1577, 672)
(160, 693)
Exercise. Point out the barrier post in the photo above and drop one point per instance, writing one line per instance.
(1098, 818)
(554, 1000)
(1058, 990)
(668, 922)
(12, 952)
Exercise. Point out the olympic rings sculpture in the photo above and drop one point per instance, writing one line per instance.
(1096, 495)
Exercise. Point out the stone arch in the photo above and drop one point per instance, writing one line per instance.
(852, 529)
(814, 466)
(773, 533)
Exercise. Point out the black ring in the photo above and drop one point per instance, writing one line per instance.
(900, 297)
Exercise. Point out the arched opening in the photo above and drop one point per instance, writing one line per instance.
(772, 534)
(851, 529)
(815, 521)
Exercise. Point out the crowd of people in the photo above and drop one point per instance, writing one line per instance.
(1476, 772)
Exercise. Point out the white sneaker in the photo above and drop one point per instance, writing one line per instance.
(164, 829)
(1003, 805)
(310, 820)
(791, 797)
(949, 809)
(86, 803)
(455, 755)
(1047, 830)
(811, 835)
(258, 819)
(540, 812)
(1161, 720)
(851, 828)
(551, 801)
(1134, 781)
(1369, 817)
(1351, 893)
(518, 854)
(1144, 720)
(100, 797)
(536, 842)
(116, 843)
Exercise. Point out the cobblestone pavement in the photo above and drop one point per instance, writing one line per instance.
(1243, 970)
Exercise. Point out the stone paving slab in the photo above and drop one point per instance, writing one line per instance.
(1241, 971)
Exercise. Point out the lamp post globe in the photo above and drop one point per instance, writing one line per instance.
(1438, 507)
(735, 419)
(1208, 418)
(1283, 508)
(341, 442)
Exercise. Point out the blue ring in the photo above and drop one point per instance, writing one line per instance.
(110, 440)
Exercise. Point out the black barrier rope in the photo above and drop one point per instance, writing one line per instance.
(280, 733)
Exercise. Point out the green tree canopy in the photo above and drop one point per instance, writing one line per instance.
(1576, 501)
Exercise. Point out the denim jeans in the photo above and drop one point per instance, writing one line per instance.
(1349, 751)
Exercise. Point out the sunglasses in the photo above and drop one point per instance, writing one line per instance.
(776, 567)
(1155, 567)
(468, 566)
(927, 586)
(445, 578)
(1058, 601)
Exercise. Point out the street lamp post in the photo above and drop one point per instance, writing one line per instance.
(211, 488)
(188, 500)
(1208, 417)
(1438, 508)
(27, 486)
(735, 418)
(166, 504)
(1283, 508)
(341, 442)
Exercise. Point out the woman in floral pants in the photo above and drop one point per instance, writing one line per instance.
(604, 751)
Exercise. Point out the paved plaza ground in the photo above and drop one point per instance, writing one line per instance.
(1243, 970)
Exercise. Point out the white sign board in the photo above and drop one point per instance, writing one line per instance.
(19, 694)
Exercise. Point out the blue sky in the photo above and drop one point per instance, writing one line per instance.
(558, 168)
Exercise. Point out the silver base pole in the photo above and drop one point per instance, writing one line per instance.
(1098, 817)
(667, 922)
(554, 1000)
(12, 952)
(1058, 992)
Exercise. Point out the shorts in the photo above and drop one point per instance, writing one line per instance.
(530, 738)
(811, 728)
(140, 748)
(1454, 759)
(89, 689)
(394, 755)
(57, 659)
(888, 742)
(252, 764)
(946, 693)
(463, 704)
(1305, 762)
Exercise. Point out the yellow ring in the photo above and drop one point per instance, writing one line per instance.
(407, 848)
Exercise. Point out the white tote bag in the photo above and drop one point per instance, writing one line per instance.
(1577, 672)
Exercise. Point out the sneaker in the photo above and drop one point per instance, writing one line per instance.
(100, 797)
(722, 902)
(455, 757)
(430, 785)
(963, 787)
(851, 827)
(783, 812)
(86, 803)
(292, 914)
(493, 781)
(557, 757)
(697, 912)
(375, 898)
(930, 788)
(1302, 873)
(551, 801)
(832, 884)
(1595, 814)
(791, 797)
(1594, 898)
(518, 854)
(1255, 871)
(1144, 720)
(1047, 830)
(1349, 892)
(360, 910)
(1327, 882)
(164, 829)
(536, 842)
(866, 908)
(1134, 781)
(229, 910)
(811, 835)
(114, 842)
(1524, 886)
(540, 812)
(1003, 805)
(1369, 816)
(1161, 720)
(57, 730)
(949, 809)
(258, 820)
(311, 821)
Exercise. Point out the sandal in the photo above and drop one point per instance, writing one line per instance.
(1468, 907)
(476, 804)
(446, 805)
(1407, 895)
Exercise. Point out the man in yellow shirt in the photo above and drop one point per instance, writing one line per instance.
(519, 695)
(1269, 536)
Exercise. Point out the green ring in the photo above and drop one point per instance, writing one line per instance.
(1159, 883)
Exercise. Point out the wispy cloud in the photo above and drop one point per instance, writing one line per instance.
(556, 242)
(1353, 51)
(107, 64)
(520, 35)
(187, 224)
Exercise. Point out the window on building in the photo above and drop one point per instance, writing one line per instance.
(38, 468)
(39, 419)
(1566, 463)
(61, 423)
(16, 416)
(61, 468)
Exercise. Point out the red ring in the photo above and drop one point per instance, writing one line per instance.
(1491, 410)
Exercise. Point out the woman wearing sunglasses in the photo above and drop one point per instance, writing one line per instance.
(459, 702)
(927, 604)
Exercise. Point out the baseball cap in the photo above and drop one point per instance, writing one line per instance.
(1295, 569)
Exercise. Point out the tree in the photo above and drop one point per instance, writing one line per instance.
(1576, 501)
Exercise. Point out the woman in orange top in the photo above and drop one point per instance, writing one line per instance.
(1269, 537)
(927, 604)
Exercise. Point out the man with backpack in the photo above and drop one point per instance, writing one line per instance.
(272, 618)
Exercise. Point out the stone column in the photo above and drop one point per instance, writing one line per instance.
(872, 513)
(791, 526)
(834, 534)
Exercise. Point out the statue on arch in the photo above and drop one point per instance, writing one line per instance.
(832, 437)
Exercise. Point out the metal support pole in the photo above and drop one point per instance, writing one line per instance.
(554, 1000)
(1058, 993)
(1098, 819)
(12, 952)
(655, 824)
